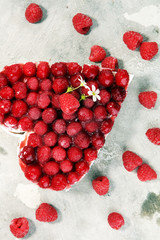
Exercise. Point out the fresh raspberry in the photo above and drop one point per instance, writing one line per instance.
(101, 185)
(90, 83)
(7, 93)
(49, 115)
(131, 160)
(66, 166)
(40, 128)
(27, 155)
(82, 23)
(25, 124)
(72, 177)
(33, 13)
(29, 69)
(98, 140)
(75, 80)
(110, 62)
(69, 117)
(46, 85)
(43, 100)
(33, 172)
(5, 106)
(153, 134)
(74, 68)
(146, 173)
(132, 39)
(90, 154)
(51, 168)
(59, 69)
(148, 99)
(91, 127)
(64, 141)
(105, 96)
(85, 114)
(55, 101)
(59, 182)
(3, 81)
(118, 94)
(19, 108)
(88, 102)
(19, 227)
(10, 122)
(122, 78)
(115, 220)
(60, 85)
(46, 213)
(69, 104)
(34, 140)
(58, 153)
(13, 72)
(44, 182)
(100, 113)
(1, 118)
(43, 70)
(90, 72)
(76, 94)
(74, 154)
(82, 167)
(43, 154)
(20, 90)
(97, 54)
(82, 140)
(113, 108)
(34, 113)
(106, 78)
(106, 126)
(50, 139)
(33, 83)
(59, 126)
(32, 98)
(148, 50)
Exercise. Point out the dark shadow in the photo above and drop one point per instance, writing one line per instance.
(3, 151)
(32, 229)
(107, 52)
(44, 14)
(120, 64)
(95, 25)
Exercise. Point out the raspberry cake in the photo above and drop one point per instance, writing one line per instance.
(65, 111)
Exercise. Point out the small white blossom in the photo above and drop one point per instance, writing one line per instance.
(94, 93)
(83, 83)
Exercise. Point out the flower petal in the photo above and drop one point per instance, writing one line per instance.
(98, 97)
(97, 91)
(94, 98)
(93, 88)
(90, 92)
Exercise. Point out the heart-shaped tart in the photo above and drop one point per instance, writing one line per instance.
(65, 111)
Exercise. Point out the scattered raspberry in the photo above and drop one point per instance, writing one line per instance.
(74, 68)
(66, 166)
(132, 39)
(49, 115)
(46, 85)
(33, 83)
(74, 128)
(1, 118)
(110, 62)
(100, 113)
(33, 172)
(59, 182)
(68, 117)
(153, 134)
(146, 173)
(20, 90)
(29, 69)
(5, 106)
(91, 127)
(43, 100)
(148, 99)
(85, 114)
(25, 124)
(64, 141)
(115, 220)
(101, 185)
(106, 78)
(3, 81)
(106, 126)
(19, 108)
(72, 177)
(58, 153)
(7, 93)
(43, 70)
(118, 94)
(105, 96)
(27, 155)
(44, 182)
(82, 140)
(131, 160)
(34, 140)
(97, 54)
(69, 104)
(88, 102)
(122, 78)
(113, 108)
(59, 69)
(98, 140)
(60, 85)
(10, 122)
(90, 154)
(34, 113)
(32, 99)
(51, 168)
(50, 139)
(40, 128)
(74, 154)
(59, 126)
(46, 213)
(43, 154)
(13, 72)
(82, 23)
(33, 13)
(19, 227)
(148, 50)
(55, 101)
(75, 80)
(82, 167)
(90, 72)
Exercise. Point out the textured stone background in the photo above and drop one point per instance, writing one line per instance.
(83, 214)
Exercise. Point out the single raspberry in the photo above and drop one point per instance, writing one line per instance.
(33, 83)
(10, 122)
(66, 166)
(34, 113)
(32, 99)
(148, 50)
(74, 128)
(46, 213)
(148, 99)
(60, 85)
(101, 185)
(106, 126)
(64, 141)
(131, 160)
(153, 134)
(90, 84)
(105, 96)
(74, 154)
(146, 173)
(74, 68)
(82, 140)
(132, 39)
(88, 102)
(29, 69)
(33, 172)
(115, 220)
(40, 128)
(69, 117)
(118, 94)
(25, 124)
(44, 182)
(20, 90)
(113, 108)
(122, 78)
(69, 104)
(106, 78)
(110, 62)
(5, 106)
(51, 168)
(82, 23)
(33, 13)
(100, 113)
(43, 70)
(43, 154)
(19, 108)
(75, 82)
(46, 85)
(72, 177)
(59, 69)
(13, 72)
(98, 140)
(55, 101)
(76, 94)
(3, 81)
(91, 127)
(58, 153)
(34, 140)
(7, 93)
(19, 227)
(97, 54)
(82, 167)
(43, 100)
(90, 154)
(50, 139)
(59, 182)
(49, 115)
(27, 155)
(85, 114)
(90, 72)
(59, 126)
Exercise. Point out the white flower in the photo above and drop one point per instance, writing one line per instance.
(94, 93)
(83, 83)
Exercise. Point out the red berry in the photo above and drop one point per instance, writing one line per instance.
(43, 100)
(59, 69)
(106, 78)
(82, 23)
(101, 185)
(29, 69)
(98, 140)
(106, 126)
(46, 213)
(72, 177)
(110, 62)
(90, 83)
(55, 101)
(44, 182)
(132, 39)
(59, 126)
(40, 128)
(19, 108)
(3, 81)
(51, 168)
(122, 78)
(74, 68)
(82, 140)
(59, 182)
(97, 54)
(49, 115)
(46, 85)
(43, 70)
(34, 140)
(113, 108)
(105, 96)
(58, 153)
(50, 139)
(69, 117)
(148, 99)
(148, 50)
(13, 72)
(33, 172)
(74, 128)
(66, 166)
(153, 134)
(90, 154)
(20, 90)
(1, 118)
(131, 160)
(69, 104)
(85, 114)
(115, 220)
(74, 154)
(5, 106)
(146, 173)
(25, 124)
(19, 227)
(27, 155)
(34, 113)
(88, 102)
(91, 127)
(10, 122)
(43, 154)
(7, 93)
(100, 113)
(60, 85)
(82, 167)
(75, 80)
(64, 141)
(118, 94)
(90, 72)
(33, 13)
(33, 83)
(32, 98)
